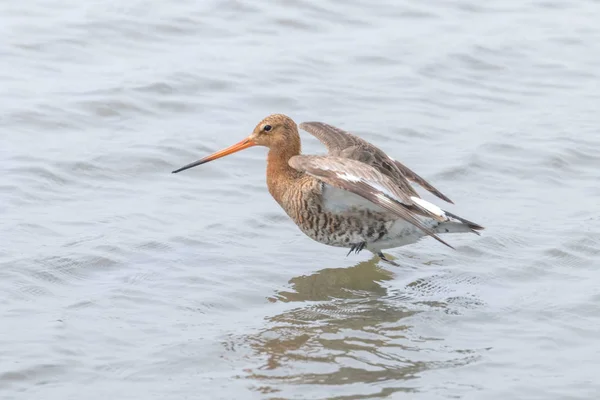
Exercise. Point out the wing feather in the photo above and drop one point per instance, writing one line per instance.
(413, 177)
(344, 144)
(365, 181)
(334, 139)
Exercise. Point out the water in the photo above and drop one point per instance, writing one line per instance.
(119, 279)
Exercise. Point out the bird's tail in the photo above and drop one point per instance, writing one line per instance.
(456, 224)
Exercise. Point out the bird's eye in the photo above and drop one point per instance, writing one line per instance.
(267, 128)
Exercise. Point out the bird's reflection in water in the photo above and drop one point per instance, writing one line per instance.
(346, 331)
(338, 283)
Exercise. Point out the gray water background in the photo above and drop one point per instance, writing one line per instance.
(119, 280)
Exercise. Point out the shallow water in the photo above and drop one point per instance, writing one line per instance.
(120, 279)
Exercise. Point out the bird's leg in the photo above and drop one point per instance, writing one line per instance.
(356, 248)
(387, 260)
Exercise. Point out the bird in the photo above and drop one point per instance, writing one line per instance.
(355, 197)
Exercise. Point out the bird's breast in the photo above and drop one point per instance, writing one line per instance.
(336, 217)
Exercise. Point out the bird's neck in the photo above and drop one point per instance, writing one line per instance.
(280, 176)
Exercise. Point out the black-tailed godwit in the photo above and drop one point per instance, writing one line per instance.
(355, 197)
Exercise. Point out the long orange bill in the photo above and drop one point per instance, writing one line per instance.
(244, 144)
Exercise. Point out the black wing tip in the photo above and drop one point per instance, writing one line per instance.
(421, 182)
(437, 193)
(444, 197)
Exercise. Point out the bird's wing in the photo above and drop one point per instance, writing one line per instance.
(370, 184)
(413, 177)
(335, 139)
(344, 144)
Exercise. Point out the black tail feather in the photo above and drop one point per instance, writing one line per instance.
(472, 225)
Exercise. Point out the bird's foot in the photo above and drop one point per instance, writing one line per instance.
(356, 248)
(387, 260)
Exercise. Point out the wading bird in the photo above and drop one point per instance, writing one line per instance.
(355, 197)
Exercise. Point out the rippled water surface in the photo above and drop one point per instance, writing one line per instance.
(120, 280)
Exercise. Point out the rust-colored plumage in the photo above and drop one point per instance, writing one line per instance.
(355, 197)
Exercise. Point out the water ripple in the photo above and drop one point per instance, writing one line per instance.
(115, 272)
